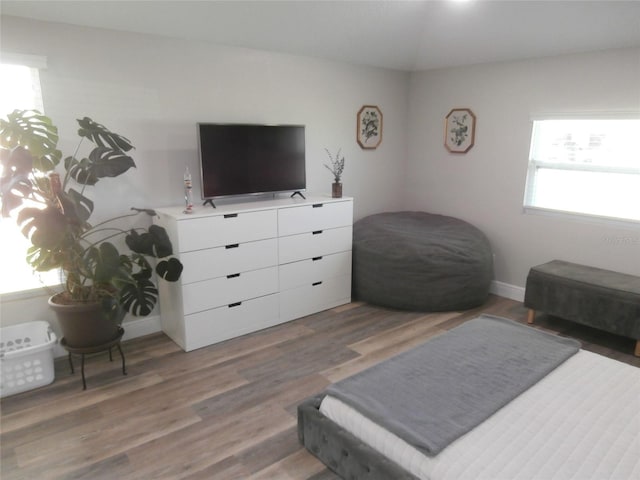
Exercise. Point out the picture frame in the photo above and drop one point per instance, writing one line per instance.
(369, 127)
(459, 130)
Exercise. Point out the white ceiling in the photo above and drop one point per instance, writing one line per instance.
(404, 35)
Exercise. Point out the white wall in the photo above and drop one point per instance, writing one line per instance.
(153, 90)
(486, 185)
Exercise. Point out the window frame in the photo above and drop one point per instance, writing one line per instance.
(36, 63)
(533, 165)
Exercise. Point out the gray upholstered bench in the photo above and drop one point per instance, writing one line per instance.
(602, 299)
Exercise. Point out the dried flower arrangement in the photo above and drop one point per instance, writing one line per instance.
(337, 164)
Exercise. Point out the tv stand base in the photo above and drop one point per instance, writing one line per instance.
(298, 192)
(209, 201)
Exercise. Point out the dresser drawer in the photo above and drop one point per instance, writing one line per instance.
(314, 244)
(312, 298)
(221, 230)
(315, 269)
(234, 258)
(318, 216)
(234, 288)
(218, 324)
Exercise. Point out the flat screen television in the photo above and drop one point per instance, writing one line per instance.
(246, 159)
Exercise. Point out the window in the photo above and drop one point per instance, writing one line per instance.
(19, 88)
(585, 166)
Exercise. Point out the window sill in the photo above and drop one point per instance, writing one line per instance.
(585, 218)
(28, 294)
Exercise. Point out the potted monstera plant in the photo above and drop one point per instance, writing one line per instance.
(106, 269)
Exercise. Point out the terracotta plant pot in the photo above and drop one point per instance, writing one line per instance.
(336, 190)
(86, 324)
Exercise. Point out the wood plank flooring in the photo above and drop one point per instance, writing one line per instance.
(227, 411)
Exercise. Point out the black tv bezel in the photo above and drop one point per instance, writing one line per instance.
(247, 194)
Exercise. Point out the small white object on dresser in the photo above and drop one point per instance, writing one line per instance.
(252, 265)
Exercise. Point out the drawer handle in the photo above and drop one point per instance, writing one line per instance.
(317, 232)
(237, 304)
(318, 205)
(230, 215)
(233, 275)
(316, 284)
(233, 245)
(315, 259)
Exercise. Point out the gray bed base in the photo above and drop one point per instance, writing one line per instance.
(341, 451)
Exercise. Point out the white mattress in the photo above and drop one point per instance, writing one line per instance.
(582, 421)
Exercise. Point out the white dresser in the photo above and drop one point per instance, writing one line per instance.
(251, 265)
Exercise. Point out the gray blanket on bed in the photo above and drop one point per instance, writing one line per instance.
(435, 393)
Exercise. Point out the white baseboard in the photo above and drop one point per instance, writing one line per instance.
(506, 290)
(137, 327)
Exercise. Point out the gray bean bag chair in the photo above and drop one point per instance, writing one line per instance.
(420, 261)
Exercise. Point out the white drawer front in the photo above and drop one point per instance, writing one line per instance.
(234, 258)
(314, 244)
(312, 270)
(309, 299)
(220, 230)
(220, 291)
(319, 216)
(218, 324)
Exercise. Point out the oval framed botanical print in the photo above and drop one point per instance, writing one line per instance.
(459, 130)
(369, 127)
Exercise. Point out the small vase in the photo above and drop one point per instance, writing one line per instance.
(336, 190)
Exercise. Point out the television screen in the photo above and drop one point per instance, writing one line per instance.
(243, 159)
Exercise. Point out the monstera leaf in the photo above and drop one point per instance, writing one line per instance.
(43, 260)
(139, 296)
(102, 162)
(49, 232)
(80, 170)
(35, 132)
(77, 208)
(102, 136)
(170, 269)
(105, 265)
(155, 242)
(15, 184)
(46, 228)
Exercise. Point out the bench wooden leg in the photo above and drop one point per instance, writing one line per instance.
(637, 350)
(531, 316)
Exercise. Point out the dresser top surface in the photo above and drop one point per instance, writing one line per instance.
(200, 211)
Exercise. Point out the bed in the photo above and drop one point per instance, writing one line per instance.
(579, 420)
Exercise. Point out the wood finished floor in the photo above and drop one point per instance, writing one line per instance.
(227, 411)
